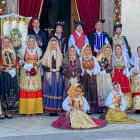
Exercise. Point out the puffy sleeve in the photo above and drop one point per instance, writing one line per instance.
(106, 40)
(86, 105)
(97, 67)
(123, 102)
(108, 101)
(65, 104)
(86, 41)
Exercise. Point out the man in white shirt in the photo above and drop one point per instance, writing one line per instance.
(78, 38)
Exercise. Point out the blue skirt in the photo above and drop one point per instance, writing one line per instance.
(53, 94)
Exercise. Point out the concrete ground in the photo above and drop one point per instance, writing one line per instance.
(39, 128)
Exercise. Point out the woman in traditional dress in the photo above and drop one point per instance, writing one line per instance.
(135, 80)
(71, 69)
(9, 82)
(121, 73)
(90, 67)
(104, 81)
(75, 117)
(116, 104)
(30, 79)
(52, 81)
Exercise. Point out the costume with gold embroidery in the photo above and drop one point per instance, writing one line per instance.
(76, 118)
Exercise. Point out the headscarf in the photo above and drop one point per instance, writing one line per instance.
(67, 56)
(135, 61)
(23, 49)
(114, 92)
(11, 47)
(101, 55)
(83, 51)
(114, 57)
(72, 89)
(47, 59)
(126, 60)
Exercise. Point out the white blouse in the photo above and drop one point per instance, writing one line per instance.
(67, 107)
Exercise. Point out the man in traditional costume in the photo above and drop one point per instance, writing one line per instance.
(98, 37)
(62, 40)
(78, 38)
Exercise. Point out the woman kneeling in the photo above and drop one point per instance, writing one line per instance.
(75, 117)
(116, 104)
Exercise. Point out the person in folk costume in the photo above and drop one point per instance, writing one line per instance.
(116, 104)
(30, 78)
(90, 67)
(98, 37)
(9, 82)
(75, 116)
(62, 40)
(121, 74)
(122, 40)
(135, 80)
(52, 81)
(71, 69)
(104, 81)
(78, 38)
(39, 35)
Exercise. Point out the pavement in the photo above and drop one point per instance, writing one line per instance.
(39, 128)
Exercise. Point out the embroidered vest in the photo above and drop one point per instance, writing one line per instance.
(79, 41)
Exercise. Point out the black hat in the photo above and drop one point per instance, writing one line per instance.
(61, 23)
(79, 23)
(115, 83)
(101, 20)
(118, 26)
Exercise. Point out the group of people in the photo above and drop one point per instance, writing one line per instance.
(70, 75)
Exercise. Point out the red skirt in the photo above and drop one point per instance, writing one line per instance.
(122, 80)
(63, 122)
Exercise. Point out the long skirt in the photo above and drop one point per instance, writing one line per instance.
(53, 93)
(9, 92)
(116, 117)
(125, 86)
(31, 94)
(90, 89)
(104, 83)
(135, 88)
(77, 120)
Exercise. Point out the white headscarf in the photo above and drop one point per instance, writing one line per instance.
(114, 92)
(134, 61)
(23, 49)
(47, 59)
(126, 60)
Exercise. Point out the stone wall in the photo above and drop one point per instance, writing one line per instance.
(108, 15)
(12, 4)
(130, 18)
